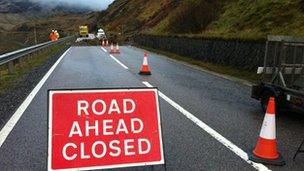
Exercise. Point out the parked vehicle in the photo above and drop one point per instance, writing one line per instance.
(282, 75)
(83, 31)
(101, 34)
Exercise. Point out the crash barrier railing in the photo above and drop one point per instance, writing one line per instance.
(10, 57)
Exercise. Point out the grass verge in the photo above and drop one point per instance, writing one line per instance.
(25, 66)
(251, 77)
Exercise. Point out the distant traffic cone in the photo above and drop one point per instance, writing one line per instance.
(145, 70)
(117, 49)
(103, 43)
(266, 147)
(112, 48)
(107, 43)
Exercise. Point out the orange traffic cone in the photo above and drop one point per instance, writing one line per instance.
(112, 49)
(117, 49)
(266, 148)
(107, 43)
(103, 43)
(145, 70)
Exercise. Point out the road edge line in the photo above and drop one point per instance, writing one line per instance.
(10, 124)
(105, 50)
(238, 151)
(120, 63)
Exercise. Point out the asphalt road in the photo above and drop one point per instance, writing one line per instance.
(223, 105)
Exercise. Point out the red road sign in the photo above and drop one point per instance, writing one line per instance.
(96, 129)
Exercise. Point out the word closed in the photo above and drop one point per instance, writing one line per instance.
(96, 129)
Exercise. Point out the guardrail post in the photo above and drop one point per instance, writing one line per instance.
(21, 61)
(29, 57)
(10, 66)
(17, 61)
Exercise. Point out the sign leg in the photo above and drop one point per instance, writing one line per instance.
(298, 151)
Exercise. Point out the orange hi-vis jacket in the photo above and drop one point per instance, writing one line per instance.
(53, 36)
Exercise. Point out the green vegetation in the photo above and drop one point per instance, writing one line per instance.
(25, 66)
(229, 19)
(256, 19)
(10, 41)
(225, 70)
(242, 19)
(190, 16)
(21, 35)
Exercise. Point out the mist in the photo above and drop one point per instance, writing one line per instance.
(96, 5)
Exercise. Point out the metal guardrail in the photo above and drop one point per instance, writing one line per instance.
(8, 58)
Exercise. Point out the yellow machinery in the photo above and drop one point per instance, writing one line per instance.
(83, 31)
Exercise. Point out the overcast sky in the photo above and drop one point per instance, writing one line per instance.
(94, 4)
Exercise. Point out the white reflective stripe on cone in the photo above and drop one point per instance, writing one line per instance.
(269, 127)
(145, 61)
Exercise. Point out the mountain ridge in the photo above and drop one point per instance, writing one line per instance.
(21, 6)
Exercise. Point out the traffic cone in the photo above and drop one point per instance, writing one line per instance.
(266, 148)
(107, 43)
(112, 49)
(145, 70)
(117, 49)
(103, 43)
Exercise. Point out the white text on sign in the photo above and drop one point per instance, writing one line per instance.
(105, 127)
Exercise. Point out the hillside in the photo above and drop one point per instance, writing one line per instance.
(22, 35)
(13, 12)
(252, 19)
(10, 20)
(159, 17)
(18, 6)
(258, 18)
(36, 7)
(19, 19)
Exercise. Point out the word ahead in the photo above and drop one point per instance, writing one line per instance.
(98, 129)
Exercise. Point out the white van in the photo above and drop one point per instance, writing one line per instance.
(101, 34)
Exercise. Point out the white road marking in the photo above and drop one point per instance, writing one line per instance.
(125, 67)
(113, 57)
(105, 50)
(8, 127)
(211, 131)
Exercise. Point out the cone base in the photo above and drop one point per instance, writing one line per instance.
(144, 73)
(276, 162)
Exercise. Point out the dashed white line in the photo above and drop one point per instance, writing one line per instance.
(211, 131)
(124, 66)
(113, 57)
(105, 50)
(8, 127)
